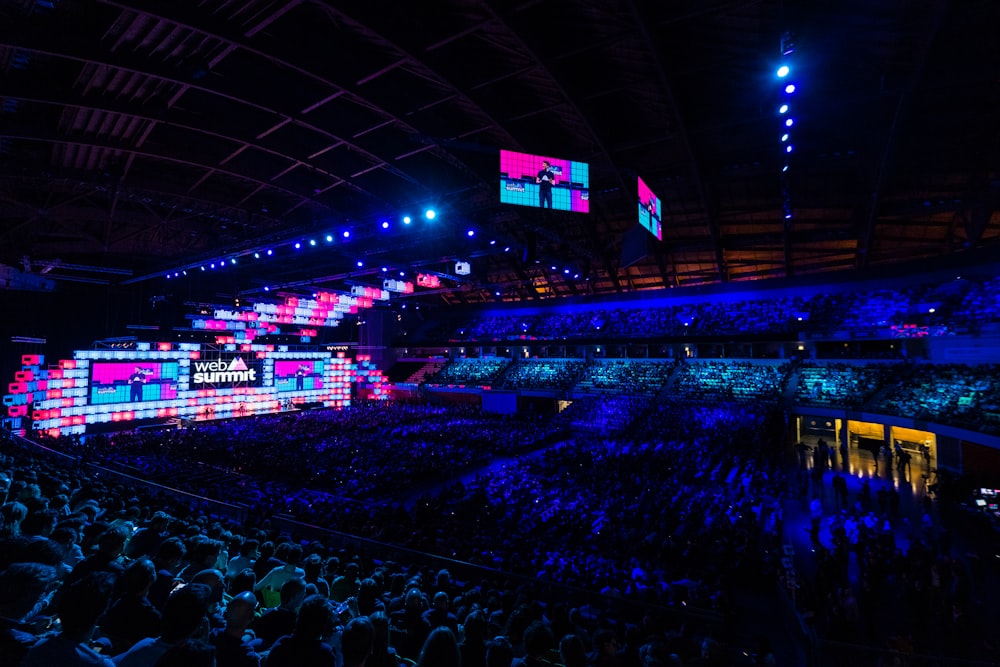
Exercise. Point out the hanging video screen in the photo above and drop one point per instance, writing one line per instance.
(544, 182)
(132, 381)
(649, 210)
(298, 374)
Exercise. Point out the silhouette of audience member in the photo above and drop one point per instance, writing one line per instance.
(440, 649)
(277, 577)
(538, 643)
(22, 588)
(280, 620)
(132, 616)
(185, 616)
(307, 645)
(232, 648)
(167, 561)
(81, 604)
(190, 653)
(357, 642)
(440, 614)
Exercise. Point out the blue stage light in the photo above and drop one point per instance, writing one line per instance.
(782, 71)
(783, 108)
(266, 288)
(232, 261)
(407, 220)
(789, 122)
(784, 137)
(785, 168)
(297, 245)
(788, 148)
(360, 263)
(471, 232)
(168, 276)
(329, 238)
(203, 268)
(212, 265)
(256, 255)
(430, 214)
(347, 234)
(790, 88)
(385, 224)
(312, 242)
(270, 252)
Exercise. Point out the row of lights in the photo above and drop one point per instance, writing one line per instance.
(429, 214)
(787, 119)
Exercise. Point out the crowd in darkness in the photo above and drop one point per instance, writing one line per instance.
(960, 304)
(168, 586)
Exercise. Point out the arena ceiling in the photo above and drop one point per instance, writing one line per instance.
(144, 137)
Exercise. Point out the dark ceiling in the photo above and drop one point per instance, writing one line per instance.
(140, 137)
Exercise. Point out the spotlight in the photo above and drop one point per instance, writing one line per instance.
(782, 71)
(297, 245)
(168, 276)
(312, 242)
(212, 265)
(232, 261)
(360, 263)
(576, 275)
(430, 214)
(347, 234)
(497, 293)
(385, 224)
(788, 216)
(784, 137)
(385, 269)
(506, 249)
(202, 268)
(566, 271)
(785, 168)
(471, 233)
(783, 108)
(266, 288)
(788, 148)
(402, 273)
(790, 88)
(184, 272)
(789, 122)
(407, 220)
(329, 238)
(553, 268)
(270, 252)
(256, 255)
(493, 242)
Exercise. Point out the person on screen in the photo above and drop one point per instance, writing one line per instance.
(545, 179)
(300, 376)
(135, 381)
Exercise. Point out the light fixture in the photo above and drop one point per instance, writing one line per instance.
(782, 71)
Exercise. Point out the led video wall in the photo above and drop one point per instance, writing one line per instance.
(299, 374)
(114, 389)
(649, 210)
(544, 182)
(123, 382)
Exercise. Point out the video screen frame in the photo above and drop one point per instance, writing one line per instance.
(650, 210)
(539, 181)
(132, 381)
(299, 374)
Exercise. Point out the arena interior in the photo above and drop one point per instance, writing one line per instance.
(469, 333)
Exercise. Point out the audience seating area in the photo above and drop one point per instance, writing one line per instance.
(843, 385)
(625, 376)
(526, 517)
(470, 372)
(950, 394)
(745, 382)
(541, 374)
(963, 303)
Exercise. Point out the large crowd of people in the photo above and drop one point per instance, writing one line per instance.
(165, 585)
(963, 303)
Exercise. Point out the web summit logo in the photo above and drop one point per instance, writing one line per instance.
(219, 372)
